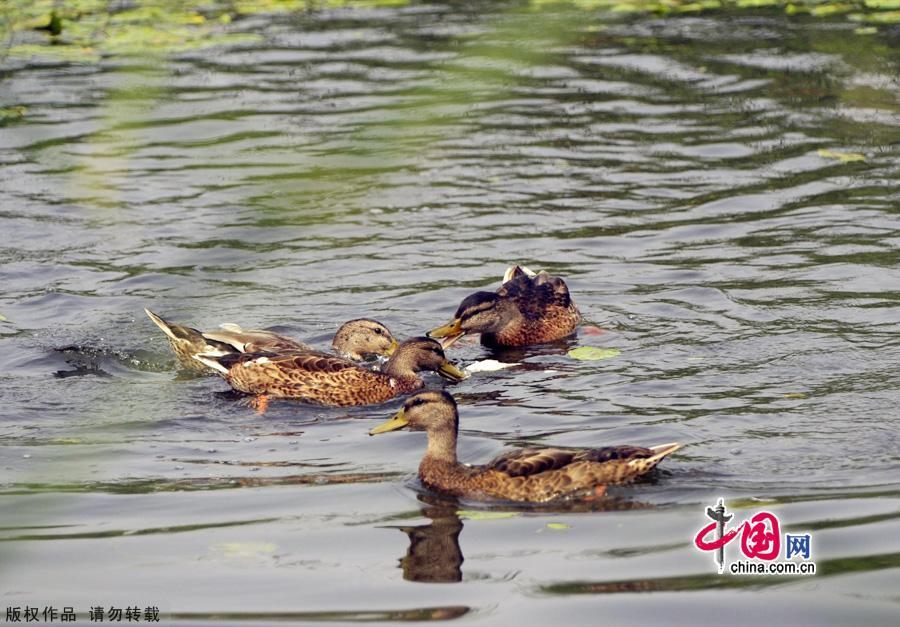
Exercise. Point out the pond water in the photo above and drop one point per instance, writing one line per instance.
(695, 180)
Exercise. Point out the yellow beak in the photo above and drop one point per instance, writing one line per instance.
(451, 372)
(448, 341)
(451, 332)
(390, 349)
(397, 421)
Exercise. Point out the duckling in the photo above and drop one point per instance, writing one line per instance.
(356, 339)
(528, 475)
(328, 380)
(528, 308)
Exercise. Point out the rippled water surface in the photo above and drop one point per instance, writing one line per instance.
(696, 180)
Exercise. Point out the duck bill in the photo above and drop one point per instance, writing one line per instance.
(390, 349)
(397, 421)
(449, 340)
(448, 333)
(451, 372)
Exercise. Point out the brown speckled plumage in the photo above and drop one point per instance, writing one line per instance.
(328, 380)
(187, 342)
(356, 339)
(527, 309)
(531, 475)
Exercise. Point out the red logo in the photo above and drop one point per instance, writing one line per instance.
(760, 537)
(761, 544)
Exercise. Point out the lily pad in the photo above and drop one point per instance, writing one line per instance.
(843, 157)
(593, 353)
(477, 515)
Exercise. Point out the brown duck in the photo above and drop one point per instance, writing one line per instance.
(328, 380)
(528, 308)
(357, 339)
(531, 475)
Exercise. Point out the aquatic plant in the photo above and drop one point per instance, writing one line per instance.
(86, 30)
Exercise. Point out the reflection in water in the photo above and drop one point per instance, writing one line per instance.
(434, 555)
(518, 354)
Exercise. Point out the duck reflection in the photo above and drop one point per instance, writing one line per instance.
(518, 354)
(434, 554)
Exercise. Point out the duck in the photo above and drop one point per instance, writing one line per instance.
(528, 308)
(328, 380)
(357, 339)
(529, 475)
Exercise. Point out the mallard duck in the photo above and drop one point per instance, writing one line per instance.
(528, 308)
(328, 380)
(356, 339)
(530, 475)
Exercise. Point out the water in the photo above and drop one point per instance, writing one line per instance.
(387, 162)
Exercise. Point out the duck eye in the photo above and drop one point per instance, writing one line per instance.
(379, 331)
(471, 313)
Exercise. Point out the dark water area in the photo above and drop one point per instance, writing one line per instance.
(719, 192)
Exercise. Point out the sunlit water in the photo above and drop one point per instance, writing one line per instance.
(386, 163)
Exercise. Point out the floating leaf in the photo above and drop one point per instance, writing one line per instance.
(558, 526)
(3, 318)
(245, 549)
(12, 113)
(843, 157)
(67, 441)
(477, 515)
(593, 353)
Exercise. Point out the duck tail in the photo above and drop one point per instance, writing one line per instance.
(515, 271)
(175, 332)
(642, 465)
(661, 450)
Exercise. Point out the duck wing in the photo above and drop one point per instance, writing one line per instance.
(299, 361)
(255, 340)
(529, 462)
